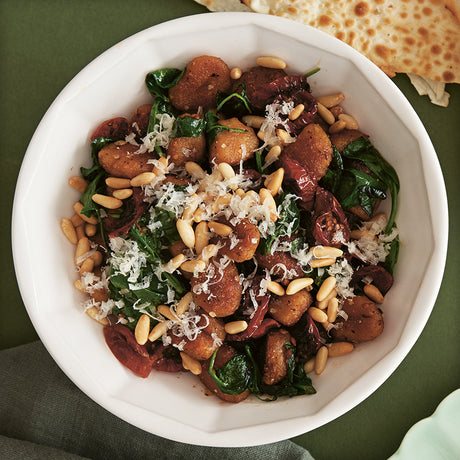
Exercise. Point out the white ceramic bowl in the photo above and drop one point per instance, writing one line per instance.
(174, 406)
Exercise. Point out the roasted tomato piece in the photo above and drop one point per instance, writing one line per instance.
(166, 358)
(115, 128)
(123, 345)
(307, 336)
(379, 276)
(140, 120)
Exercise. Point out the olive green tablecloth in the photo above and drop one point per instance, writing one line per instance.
(43, 44)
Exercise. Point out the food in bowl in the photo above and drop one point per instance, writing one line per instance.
(232, 228)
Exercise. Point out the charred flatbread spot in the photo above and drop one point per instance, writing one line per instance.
(448, 56)
(422, 31)
(427, 11)
(361, 9)
(409, 40)
(383, 51)
(448, 76)
(370, 32)
(436, 49)
(340, 35)
(408, 62)
(292, 9)
(324, 20)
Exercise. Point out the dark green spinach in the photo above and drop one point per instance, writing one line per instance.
(159, 81)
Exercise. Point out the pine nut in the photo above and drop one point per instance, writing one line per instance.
(78, 285)
(338, 126)
(283, 136)
(144, 178)
(78, 183)
(340, 348)
(191, 207)
(272, 155)
(326, 114)
(118, 182)
(317, 314)
(326, 288)
(174, 263)
(97, 258)
(296, 112)
(220, 229)
(167, 313)
(274, 181)
(298, 284)
(160, 168)
(142, 330)
(190, 364)
(93, 313)
(90, 229)
(309, 366)
(195, 170)
(332, 309)
(209, 252)
(261, 135)
(226, 170)
(267, 199)
(78, 207)
(82, 248)
(194, 266)
(252, 196)
(331, 100)
(108, 202)
(326, 251)
(186, 232)
(236, 73)
(199, 215)
(69, 230)
(253, 121)
(240, 192)
(86, 266)
(350, 122)
(373, 293)
(323, 303)
(321, 359)
(358, 234)
(122, 193)
(201, 237)
(235, 327)
(184, 304)
(275, 287)
(271, 62)
(316, 263)
(80, 230)
(157, 331)
(76, 220)
(221, 202)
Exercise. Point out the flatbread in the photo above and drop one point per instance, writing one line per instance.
(421, 37)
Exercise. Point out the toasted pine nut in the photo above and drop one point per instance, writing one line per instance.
(332, 309)
(267, 199)
(191, 364)
(97, 258)
(326, 114)
(331, 100)
(296, 112)
(373, 293)
(190, 209)
(252, 196)
(298, 284)
(183, 304)
(142, 330)
(350, 122)
(157, 331)
(271, 62)
(174, 263)
(167, 313)
(118, 182)
(220, 229)
(122, 193)
(326, 251)
(284, 136)
(253, 121)
(222, 202)
(235, 327)
(317, 314)
(209, 252)
(78, 285)
(160, 168)
(194, 266)
(309, 366)
(316, 263)
(240, 192)
(326, 287)
(142, 179)
(338, 126)
(199, 215)
(226, 170)
(236, 73)
(82, 248)
(273, 155)
(69, 230)
(201, 237)
(78, 207)
(186, 232)
(275, 287)
(195, 170)
(261, 135)
(321, 359)
(90, 229)
(78, 183)
(76, 220)
(340, 348)
(324, 303)
(93, 313)
(86, 266)
(273, 181)
(358, 234)
(108, 202)
(80, 230)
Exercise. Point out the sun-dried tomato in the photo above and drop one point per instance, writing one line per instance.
(307, 336)
(115, 128)
(166, 358)
(380, 277)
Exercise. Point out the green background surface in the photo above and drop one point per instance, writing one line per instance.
(43, 44)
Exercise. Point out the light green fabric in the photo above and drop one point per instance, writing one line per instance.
(43, 415)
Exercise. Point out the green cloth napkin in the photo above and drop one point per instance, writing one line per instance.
(43, 415)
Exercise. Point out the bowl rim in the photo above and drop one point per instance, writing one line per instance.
(283, 429)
